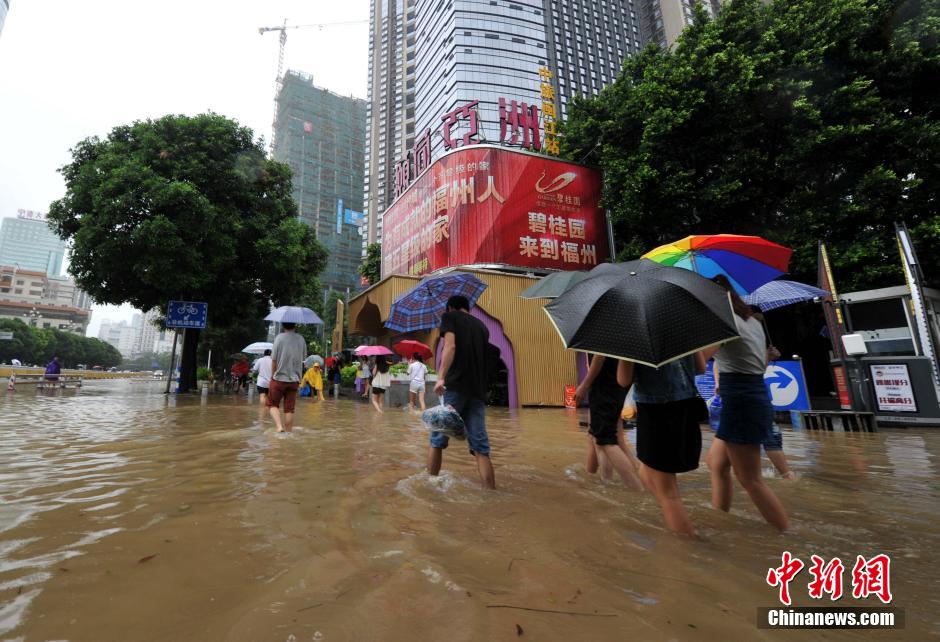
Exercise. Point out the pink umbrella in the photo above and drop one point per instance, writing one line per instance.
(373, 351)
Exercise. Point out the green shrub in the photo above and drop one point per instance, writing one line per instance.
(349, 376)
(398, 368)
(202, 374)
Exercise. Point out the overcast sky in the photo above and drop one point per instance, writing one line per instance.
(71, 69)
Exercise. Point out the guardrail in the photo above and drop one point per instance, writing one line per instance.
(43, 381)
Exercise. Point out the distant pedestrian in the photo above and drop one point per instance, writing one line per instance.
(381, 381)
(607, 445)
(240, 371)
(287, 360)
(263, 367)
(53, 369)
(463, 381)
(367, 378)
(746, 419)
(417, 374)
(337, 378)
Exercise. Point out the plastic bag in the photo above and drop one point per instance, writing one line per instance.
(446, 420)
(714, 412)
(305, 391)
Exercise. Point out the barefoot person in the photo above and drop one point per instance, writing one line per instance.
(287, 361)
(417, 372)
(462, 380)
(263, 367)
(607, 446)
(668, 438)
(746, 416)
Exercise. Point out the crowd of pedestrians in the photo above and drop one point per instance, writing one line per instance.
(669, 412)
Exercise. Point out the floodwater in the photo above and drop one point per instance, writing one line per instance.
(128, 516)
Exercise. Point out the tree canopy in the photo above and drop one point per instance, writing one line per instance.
(184, 208)
(371, 268)
(801, 121)
(33, 345)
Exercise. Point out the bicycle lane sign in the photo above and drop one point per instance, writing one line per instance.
(186, 314)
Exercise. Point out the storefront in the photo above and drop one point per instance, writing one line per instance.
(507, 216)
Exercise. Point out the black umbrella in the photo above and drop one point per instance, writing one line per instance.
(555, 284)
(651, 316)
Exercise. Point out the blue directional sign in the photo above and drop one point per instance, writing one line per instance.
(787, 385)
(186, 314)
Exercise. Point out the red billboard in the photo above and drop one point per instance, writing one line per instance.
(488, 204)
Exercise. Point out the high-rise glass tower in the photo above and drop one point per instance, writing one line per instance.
(477, 51)
(390, 111)
(429, 57)
(31, 244)
(318, 133)
(664, 20)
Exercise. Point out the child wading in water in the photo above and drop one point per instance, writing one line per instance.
(607, 445)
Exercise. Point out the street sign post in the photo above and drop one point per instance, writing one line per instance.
(787, 385)
(186, 314)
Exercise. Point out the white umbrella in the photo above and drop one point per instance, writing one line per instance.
(258, 347)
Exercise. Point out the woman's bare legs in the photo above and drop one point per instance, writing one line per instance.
(719, 465)
(377, 401)
(665, 489)
(745, 460)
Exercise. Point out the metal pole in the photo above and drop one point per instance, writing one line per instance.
(172, 363)
(209, 360)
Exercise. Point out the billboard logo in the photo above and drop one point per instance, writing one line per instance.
(560, 182)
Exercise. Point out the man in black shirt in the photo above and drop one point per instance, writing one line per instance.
(462, 380)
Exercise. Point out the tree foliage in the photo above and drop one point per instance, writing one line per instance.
(800, 121)
(371, 268)
(33, 345)
(184, 208)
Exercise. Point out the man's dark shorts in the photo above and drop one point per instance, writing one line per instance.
(286, 390)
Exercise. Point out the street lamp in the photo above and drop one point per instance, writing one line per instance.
(33, 316)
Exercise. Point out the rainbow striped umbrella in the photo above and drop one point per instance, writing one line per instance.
(748, 261)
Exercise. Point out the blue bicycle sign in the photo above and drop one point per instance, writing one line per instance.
(186, 314)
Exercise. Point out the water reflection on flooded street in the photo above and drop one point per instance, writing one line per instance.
(128, 516)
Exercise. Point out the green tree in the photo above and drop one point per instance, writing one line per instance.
(184, 208)
(371, 268)
(800, 121)
(22, 346)
(38, 345)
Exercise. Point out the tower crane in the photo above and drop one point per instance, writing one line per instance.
(279, 79)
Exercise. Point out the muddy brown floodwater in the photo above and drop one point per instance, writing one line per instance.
(128, 516)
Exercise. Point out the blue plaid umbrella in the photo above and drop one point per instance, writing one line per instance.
(421, 307)
(777, 294)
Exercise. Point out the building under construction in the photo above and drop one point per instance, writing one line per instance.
(318, 133)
